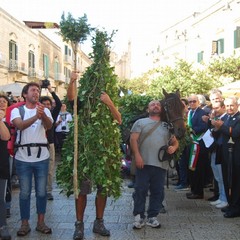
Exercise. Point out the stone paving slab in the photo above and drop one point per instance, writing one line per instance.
(185, 219)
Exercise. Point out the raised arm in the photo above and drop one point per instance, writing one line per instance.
(71, 91)
(115, 113)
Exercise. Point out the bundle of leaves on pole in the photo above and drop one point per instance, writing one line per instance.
(75, 32)
(98, 135)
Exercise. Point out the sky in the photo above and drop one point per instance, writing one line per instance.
(138, 21)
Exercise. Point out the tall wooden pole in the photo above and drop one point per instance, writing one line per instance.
(75, 116)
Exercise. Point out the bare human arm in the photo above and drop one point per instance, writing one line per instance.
(134, 147)
(115, 113)
(4, 131)
(173, 146)
(40, 114)
(71, 91)
(46, 121)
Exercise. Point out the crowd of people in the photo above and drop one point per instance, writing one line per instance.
(42, 123)
(28, 142)
(213, 155)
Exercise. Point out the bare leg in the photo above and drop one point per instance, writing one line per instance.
(100, 202)
(98, 226)
(80, 205)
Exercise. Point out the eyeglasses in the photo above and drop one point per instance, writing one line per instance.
(192, 101)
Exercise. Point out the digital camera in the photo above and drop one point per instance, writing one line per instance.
(45, 83)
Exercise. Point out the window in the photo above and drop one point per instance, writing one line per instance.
(46, 65)
(31, 59)
(200, 57)
(56, 70)
(220, 46)
(13, 52)
(237, 38)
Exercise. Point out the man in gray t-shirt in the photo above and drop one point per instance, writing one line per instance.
(150, 172)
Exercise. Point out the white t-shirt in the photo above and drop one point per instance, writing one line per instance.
(35, 133)
(63, 126)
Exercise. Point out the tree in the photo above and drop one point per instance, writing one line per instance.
(183, 77)
(98, 135)
(225, 68)
(75, 32)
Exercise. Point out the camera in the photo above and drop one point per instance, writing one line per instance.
(45, 83)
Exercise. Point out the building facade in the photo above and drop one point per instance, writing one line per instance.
(28, 53)
(202, 36)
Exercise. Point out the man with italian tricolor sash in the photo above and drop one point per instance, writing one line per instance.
(198, 155)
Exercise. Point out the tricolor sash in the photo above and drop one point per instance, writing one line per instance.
(194, 148)
(193, 158)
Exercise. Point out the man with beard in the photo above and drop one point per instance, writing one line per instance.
(32, 156)
(148, 135)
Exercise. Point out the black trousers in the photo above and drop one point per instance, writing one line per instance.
(197, 177)
(233, 198)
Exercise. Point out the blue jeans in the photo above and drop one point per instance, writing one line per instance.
(183, 167)
(217, 173)
(153, 179)
(25, 172)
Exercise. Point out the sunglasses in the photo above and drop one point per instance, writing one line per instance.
(192, 101)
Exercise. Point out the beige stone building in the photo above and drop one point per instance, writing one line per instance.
(202, 36)
(28, 53)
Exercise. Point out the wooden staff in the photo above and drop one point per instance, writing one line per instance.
(75, 116)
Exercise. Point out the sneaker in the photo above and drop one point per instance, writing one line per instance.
(153, 222)
(181, 188)
(138, 222)
(49, 196)
(98, 227)
(79, 231)
(221, 205)
(216, 202)
(4, 234)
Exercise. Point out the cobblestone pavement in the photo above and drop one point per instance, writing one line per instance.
(185, 219)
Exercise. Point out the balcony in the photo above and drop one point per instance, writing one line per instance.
(14, 67)
(59, 77)
(68, 60)
(32, 72)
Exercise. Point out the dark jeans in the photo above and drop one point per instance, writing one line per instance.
(183, 167)
(151, 179)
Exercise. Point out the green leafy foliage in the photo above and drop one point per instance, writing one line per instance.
(183, 77)
(225, 67)
(74, 30)
(98, 134)
(130, 107)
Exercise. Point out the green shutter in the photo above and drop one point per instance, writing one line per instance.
(220, 46)
(237, 38)
(200, 57)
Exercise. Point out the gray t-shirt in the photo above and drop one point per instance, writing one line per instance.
(149, 149)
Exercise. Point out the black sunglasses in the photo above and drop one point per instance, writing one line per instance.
(192, 101)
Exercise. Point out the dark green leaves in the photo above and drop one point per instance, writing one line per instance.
(74, 30)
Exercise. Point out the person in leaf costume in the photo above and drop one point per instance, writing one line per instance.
(85, 188)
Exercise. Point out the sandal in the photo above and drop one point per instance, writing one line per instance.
(43, 228)
(24, 230)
